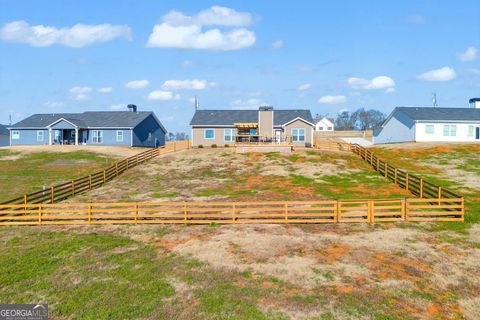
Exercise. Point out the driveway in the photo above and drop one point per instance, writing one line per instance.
(360, 141)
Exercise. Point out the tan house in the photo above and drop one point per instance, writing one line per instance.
(262, 126)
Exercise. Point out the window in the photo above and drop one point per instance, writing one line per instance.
(209, 134)
(329, 128)
(97, 136)
(449, 130)
(298, 135)
(429, 129)
(149, 137)
(470, 131)
(39, 135)
(320, 128)
(253, 132)
(119, 135)
(15, 135)
(230, 135)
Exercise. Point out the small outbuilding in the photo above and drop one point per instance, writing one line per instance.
(324, 125)
(109, 128)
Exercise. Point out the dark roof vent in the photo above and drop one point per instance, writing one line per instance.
(265, 108)
(132, 107)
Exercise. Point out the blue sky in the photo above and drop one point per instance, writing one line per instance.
(325, 56)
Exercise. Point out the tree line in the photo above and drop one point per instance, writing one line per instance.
(361, 119)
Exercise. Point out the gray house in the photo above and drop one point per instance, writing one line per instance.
(265, 125)
(108, 128)
(430, 124)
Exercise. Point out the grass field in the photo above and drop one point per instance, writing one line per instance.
(22, 173)
(205, 175)
(385, 271)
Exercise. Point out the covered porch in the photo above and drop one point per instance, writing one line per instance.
(248, 134)
(67, 136)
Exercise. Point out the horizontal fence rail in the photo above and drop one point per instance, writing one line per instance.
(69, 189)
(330, 145)
(327, 211)
(412, 183)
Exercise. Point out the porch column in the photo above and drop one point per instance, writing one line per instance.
(50, 136)
(76, 136)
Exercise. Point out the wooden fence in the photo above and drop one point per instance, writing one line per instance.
(412, 183)
(69, 189)
(328, 211)
(331, 145)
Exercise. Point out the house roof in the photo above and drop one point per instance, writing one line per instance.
(317, 120)
(230, 117)
(90, 119)
(439, 114)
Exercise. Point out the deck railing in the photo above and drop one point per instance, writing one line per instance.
(263, 140)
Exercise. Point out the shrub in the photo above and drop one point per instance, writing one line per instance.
(200, 146)
(214, 145)
(226, 145)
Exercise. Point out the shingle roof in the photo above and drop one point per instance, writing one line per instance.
(230, 117)
(90, 119)
(440, 114)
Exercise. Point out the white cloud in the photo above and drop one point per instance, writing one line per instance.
(105, 90)
(469, 55)
(416, 19)
(278, 44)
(332, 99)
(380, 82)
(160, 95)
(194, 84)
(304, 87)
(215, 15)
(80, 35)
(80, 93)
(247, 104)
(186, 32)
(54, 104)
(137, 84)
(117, 107)
(442, 74)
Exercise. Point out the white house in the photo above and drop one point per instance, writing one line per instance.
(412, 124)
(323, 124)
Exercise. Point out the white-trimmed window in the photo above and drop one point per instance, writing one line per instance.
(298, 135)
(97, 136)
(320, 128)
(449, 130)
(119, 135)
(209, 134)
(39, 135)
(149, 137)
(429, 129)
(329, 128)
(15, 134)
(230, 135)
(471, 130)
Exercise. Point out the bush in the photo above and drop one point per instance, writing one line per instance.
(226, 145)
(214, 145)
(200, 146)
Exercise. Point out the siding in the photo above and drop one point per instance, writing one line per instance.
(265, 123)
(141, 131)
(299, 124)
(399, 128)
(461, 136)
(109, 137)
(29, 137)
(198, 137)
(62, 125)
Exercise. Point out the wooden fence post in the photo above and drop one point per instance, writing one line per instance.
(286, 212)
(104, 176)
(421, 188)
(89, 213)
(407, 210)
(386, 170)
(136, 212)
(51, 194)
(73, 188)
(406, 181)
(233, 213)
(462, 212)
(335, 212)
(25, 202)
(90, 182)
(439, 195)
(370, 211)
(127, 163)
(396, 175)
(40, 213)
(403, 209)
(378, 164)
(185, 212)
(116, 169)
